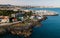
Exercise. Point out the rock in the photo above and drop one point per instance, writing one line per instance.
(2, 31)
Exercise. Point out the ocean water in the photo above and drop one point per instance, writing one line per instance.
(50, 28)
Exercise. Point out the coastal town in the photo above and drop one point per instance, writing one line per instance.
(18, 21)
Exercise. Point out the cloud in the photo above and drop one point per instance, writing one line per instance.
(13, 2)
(32, 2)
(5, 1)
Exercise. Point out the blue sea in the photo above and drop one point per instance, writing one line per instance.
(50, 28)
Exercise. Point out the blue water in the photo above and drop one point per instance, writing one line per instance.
(50, 28)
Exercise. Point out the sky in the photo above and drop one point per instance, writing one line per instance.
(32, 2)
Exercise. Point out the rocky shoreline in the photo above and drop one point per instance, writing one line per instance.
(19, 29)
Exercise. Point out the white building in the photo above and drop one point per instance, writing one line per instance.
(44, 12)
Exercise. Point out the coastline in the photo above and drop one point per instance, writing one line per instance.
(20, 31)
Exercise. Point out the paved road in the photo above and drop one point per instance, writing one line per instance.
(8, 24)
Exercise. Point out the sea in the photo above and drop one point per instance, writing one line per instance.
(50, 28)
